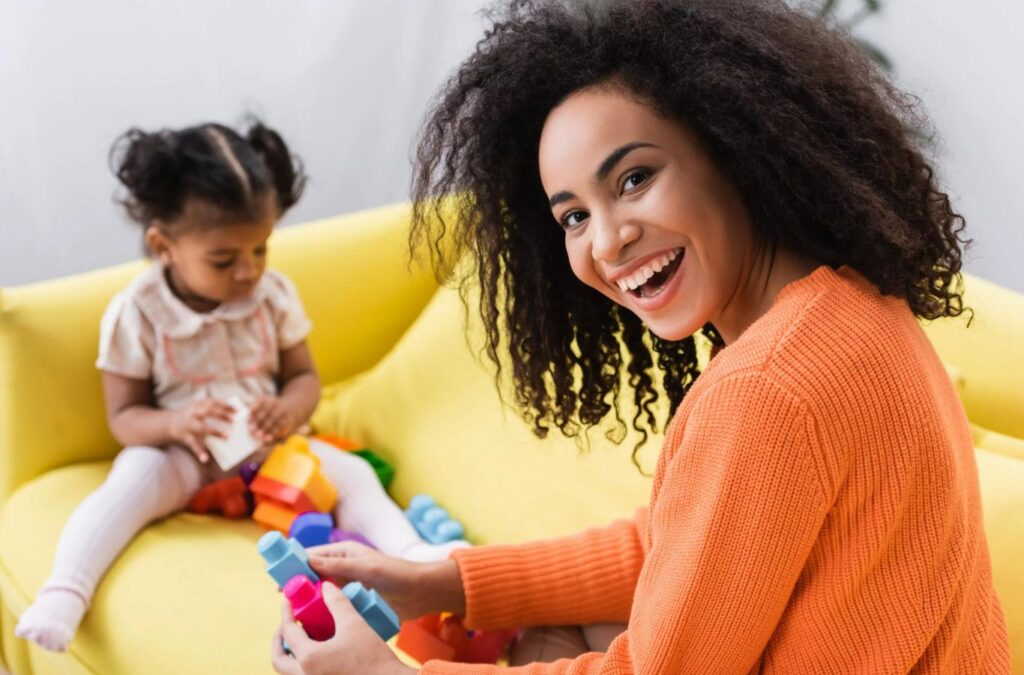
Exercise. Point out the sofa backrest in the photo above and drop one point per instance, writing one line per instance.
(352, 272)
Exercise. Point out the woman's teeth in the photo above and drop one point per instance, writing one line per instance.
(644, 274)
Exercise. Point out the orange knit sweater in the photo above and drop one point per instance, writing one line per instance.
(815, 509)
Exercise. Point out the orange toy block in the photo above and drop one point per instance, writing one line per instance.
(274, 515)
(293, 464)
(339, 442)
(225, 496)
(419, 639)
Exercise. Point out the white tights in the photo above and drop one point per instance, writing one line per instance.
(146, 484)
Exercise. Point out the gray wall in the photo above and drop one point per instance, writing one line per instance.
(347, 83)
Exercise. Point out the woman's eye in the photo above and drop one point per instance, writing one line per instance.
(635, 179)
(572, 219)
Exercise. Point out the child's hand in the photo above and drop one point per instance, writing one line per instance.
(191, 424)
(270, 419)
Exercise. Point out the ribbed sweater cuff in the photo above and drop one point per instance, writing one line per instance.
(584, 578)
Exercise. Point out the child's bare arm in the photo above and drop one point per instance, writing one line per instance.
(299, 389)
(134, 419)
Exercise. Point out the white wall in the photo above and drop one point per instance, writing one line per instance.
(965, 60)
(347, 83)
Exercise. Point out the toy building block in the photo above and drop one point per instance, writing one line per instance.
(292, 475)
(285, 558)
(339, 442)
(420, 639)
(344, 535)
(432, 522)
(373, 609)
(312, 528)
(486, 646)
(239, 444)
(385, 471)
(228, 496)
(274, 515)
(247, 472)
(308, 608)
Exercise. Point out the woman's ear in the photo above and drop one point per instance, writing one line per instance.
(158, 243)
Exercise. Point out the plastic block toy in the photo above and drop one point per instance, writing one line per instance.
(444, 636)
(371, 606)
(344, 535)
(285, 558)
(239, 444)
(247, 472)
(385, 472)
(228, 496)
(308, 608)
(432, 522)
(486, 646)
(420, 639)
(292, 475)
(339, 442)
(274, 515)
(312, 528)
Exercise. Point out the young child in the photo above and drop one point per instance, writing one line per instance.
(207, 322)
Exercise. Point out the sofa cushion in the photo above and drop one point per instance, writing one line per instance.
(431, 407)
(188, 580)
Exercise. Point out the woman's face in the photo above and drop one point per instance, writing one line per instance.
(649, 221)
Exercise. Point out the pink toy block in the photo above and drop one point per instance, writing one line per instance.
(308, 607)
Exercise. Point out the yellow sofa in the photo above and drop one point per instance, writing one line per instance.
(190, 594)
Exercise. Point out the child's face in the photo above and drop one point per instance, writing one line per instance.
(212, 260)
(649, 221)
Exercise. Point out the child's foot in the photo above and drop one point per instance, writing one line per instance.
(52, 619)
(424, 552)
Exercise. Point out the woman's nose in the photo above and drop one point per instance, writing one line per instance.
(610, 236)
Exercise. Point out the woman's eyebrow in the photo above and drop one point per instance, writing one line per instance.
(616, 156)
(613, 158)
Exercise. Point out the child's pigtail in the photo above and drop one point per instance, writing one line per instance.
(148, 165)
(285, 169)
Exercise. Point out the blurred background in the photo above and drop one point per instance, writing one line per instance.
(347, 83)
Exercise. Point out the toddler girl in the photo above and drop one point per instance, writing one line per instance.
(207, 322)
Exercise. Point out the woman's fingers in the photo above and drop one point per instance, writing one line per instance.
(292, 633)
(282, 661)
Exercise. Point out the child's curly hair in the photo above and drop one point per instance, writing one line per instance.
(818, 142)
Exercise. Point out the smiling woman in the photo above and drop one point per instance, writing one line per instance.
(627, 176)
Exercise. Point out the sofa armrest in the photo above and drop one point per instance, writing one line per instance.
(352, 272)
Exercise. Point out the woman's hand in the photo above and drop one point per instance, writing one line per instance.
(412, 589)
(270, 419)
(191, 425)
(355, 647)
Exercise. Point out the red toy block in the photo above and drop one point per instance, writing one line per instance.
(227, 496)
(269, 488)
(487, 646)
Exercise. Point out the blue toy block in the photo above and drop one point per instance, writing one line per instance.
(312, 528)
(285, 558)
(432, 522)
(373, 609)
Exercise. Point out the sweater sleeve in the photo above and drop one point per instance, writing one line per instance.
(588, 577)
(736, 507)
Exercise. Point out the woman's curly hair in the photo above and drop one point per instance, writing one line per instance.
(819, 143)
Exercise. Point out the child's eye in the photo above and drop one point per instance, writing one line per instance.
(224, 264)
(572, 219)
(635, 179)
